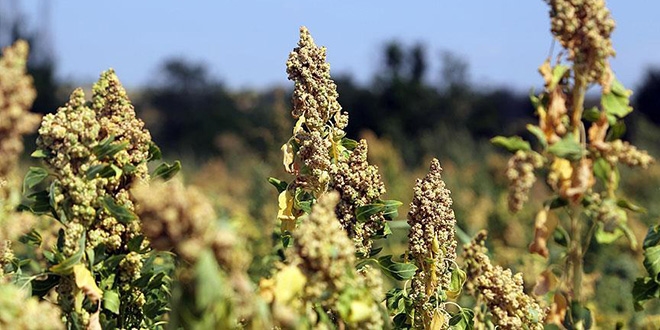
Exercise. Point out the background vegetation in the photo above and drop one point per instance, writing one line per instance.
(230, 142)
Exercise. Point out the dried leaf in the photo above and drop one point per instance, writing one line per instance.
(288, 156)
(557, 311)
(546, 282)
(94, 321)
(598, 132)
(541, 234)
(582, 180)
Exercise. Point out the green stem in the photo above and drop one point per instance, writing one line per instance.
(575, 256)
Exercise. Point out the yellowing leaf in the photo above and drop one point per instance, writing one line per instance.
(289, 282)
(85, 282)
(359, 311)
(285, 203)
(438, 320)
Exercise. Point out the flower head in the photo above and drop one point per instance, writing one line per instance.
(431, 242)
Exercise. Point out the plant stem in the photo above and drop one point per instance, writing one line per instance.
(575, 256)
(578, 104)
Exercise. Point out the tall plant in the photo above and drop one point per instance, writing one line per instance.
(579, 148)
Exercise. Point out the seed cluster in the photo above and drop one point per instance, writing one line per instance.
(97, 151)
(431, 241)
(325, 255)
(501, 290)
(520, 173)
(358, 184)
(316, 154)
(16, 97)
(174, 218)
(584, 27)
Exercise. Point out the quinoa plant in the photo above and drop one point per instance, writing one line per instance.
(579, 151)
(17, 309)
(101, 267)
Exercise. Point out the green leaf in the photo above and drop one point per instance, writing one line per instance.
(568, 147)
(111, 301)
(108, 149)
(103, 171)
(210, 284)
(652, 237)
(579, 315)
(391, 210)
(644, 288)
(630, 235)
(348, 143)
(458, 278)
(135, 243)
(616, 105)
(166, 171)
(592, 114)
(66, 267)
(34, 177)
(39, 203)
(618, 89)
(41, 287)
(616, 131)
(602, 170)
(538, 132)
(121, 213)
(154, 152)
(39, 154)
(558, 72)
(463, 320)
(363, 213)
(626, 204)
(652, 262)
(397, 270)
(560, 236)
(280, 185)
(31, 238)
(512, 144)
(604, 237)
(556, 202)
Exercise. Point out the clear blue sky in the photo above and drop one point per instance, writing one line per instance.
(246, 43)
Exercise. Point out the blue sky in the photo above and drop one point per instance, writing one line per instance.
(246, 43)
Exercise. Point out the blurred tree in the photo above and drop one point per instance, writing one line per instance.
(193, 108)
(648, 96)
(41, 63)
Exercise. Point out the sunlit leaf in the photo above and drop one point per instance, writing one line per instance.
(66, 267)
(397, 270)
(568, 147)
(86, 282)
(616, 105)
(538, 133)
(458, 278)
(39, 154)
(512, 144)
